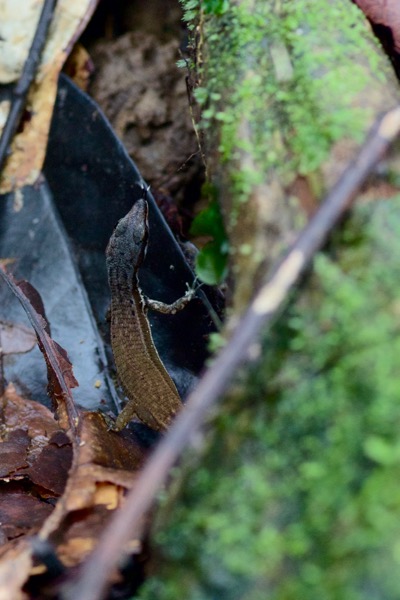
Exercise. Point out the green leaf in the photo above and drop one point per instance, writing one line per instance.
(211, 263)
(201, 95)
(189, 15)
(216, 7)
(209, 222)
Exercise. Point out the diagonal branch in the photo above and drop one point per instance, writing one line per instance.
(262, 312)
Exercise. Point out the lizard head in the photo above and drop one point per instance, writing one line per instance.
(128, 243)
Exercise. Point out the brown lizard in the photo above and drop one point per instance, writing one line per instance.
(152, 395)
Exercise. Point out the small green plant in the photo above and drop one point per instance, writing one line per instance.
(190, 12)
(211, 262)
(191, 8)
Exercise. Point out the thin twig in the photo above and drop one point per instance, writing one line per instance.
(28, 73)
(92, 582)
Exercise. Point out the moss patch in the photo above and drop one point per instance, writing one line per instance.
(297, 495)
(293, 72)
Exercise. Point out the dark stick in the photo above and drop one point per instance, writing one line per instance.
(92, 582)
(28, 73)
(2, 381)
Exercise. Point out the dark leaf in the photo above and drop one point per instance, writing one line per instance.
(35, 458)
(50, 469)
(94, 183)
(36, 240)
(21, 513)
(211, 264)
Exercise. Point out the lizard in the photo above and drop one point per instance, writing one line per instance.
(152, 395)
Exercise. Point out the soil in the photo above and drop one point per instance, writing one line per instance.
(143, 93)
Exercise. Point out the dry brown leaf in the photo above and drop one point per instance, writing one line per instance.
(35, 457)
(17, 27)
(104, 469)
(79, 67)
(50, 469)
(21, 513)
(36, 419)
(37, 465)
(13, 454)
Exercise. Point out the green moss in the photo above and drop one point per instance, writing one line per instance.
(297, 493)
(281, 84)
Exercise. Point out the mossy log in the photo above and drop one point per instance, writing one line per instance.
(289, 90)
(294, 493)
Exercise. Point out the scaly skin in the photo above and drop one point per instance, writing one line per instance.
(152, 395)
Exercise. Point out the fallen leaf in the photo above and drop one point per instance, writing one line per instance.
(21, 513)
(37, 420)
(17, 29)
(101, 457)
(13, 453)
(103, 469)
(50, 469)
(79, 67)
(35, 457)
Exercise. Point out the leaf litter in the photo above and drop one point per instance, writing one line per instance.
(63, 474)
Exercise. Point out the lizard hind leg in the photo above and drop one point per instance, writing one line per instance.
(130, 412)
(127, 415)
